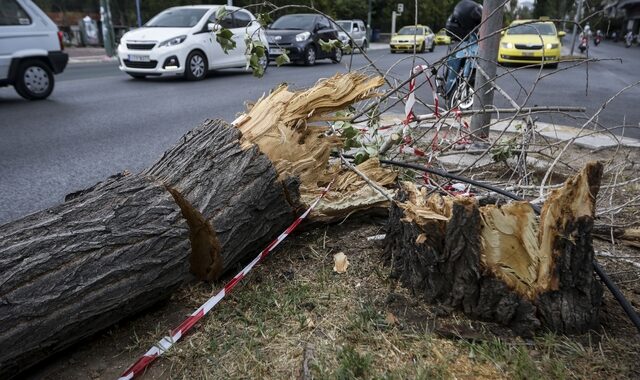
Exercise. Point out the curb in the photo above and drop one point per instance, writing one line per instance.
(593, 139)
(92, 59)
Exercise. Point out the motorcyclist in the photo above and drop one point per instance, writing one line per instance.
(462, 26)
(597, 38)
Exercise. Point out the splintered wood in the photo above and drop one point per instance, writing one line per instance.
(285, 125)
(501, 263)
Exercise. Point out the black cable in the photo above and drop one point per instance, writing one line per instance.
(617, 294)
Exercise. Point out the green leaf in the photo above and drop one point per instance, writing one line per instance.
(254, 63)
(282, 59)
(259, 51)
(264, 19)
(220, 13)
(225, 39)
(360, 157)
(349, 132)
(326, 46)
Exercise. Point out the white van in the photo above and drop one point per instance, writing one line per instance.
(180, 40)
(30, 49)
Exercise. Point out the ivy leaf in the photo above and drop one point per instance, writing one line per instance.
(264, 19)
(225, 39)
(282, 59)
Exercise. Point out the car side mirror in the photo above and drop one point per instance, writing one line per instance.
(213, 27)
(356, 29)
(561, 34)
(502, 33)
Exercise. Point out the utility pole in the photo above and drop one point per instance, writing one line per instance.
(108, 37)
(576, 19)
(487, 55)
(393, 23)
(230, 3)
(138, 13)
(369, 30)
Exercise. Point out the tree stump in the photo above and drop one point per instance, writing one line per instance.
(501, 264)
(115, 249)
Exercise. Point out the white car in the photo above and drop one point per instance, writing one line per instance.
(182, 41)
(30, 49)
(354, 29)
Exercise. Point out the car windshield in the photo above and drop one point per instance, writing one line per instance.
(442, 33)
(410, 31)
(346, 25)
(536, 28)
(177, 18)
(302, 22)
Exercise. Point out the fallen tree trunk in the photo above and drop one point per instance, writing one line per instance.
(499, 263)
(117, 248)
(220, 195)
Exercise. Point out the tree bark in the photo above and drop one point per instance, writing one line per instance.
(495, 263)
(115, 249)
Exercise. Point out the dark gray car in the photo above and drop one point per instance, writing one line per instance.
(299, 36)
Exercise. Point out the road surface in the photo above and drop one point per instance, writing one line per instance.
(99, 121)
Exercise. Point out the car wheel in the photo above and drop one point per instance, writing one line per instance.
(137, 76)
(432, 47)
(365, 46)
(34, 80)
(196, 67)
(551, 65)
(422, 48)
(393, 51)
(310, 55)
(337, 56)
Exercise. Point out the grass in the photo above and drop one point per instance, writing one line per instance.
(362, 325)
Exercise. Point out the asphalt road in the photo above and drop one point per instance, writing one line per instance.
(98, 121)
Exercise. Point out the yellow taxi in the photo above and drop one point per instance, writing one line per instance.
(420, 35)
(442, 38)
(530, 41)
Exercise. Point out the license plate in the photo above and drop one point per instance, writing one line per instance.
(276, 51)
(139, 58)
(527, 54)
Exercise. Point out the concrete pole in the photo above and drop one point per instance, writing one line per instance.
(576, 19)
(393, 23)
(138, 13)
(487, 56)
(369, 30)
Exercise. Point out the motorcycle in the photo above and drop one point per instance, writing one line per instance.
(584, 44)
(459, 74)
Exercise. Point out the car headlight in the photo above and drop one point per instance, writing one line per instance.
(551, 46)
(302, 36)
(507, 45)
(174, 41)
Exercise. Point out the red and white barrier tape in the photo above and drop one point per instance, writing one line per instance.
(163, 345)
(411, 97)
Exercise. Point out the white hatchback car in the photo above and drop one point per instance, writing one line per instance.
(30, 49)
(181, 40)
